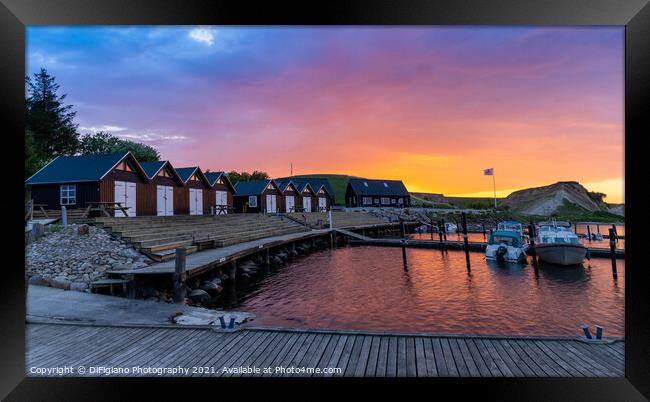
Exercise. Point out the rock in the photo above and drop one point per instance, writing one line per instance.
(199, 296)
(140, 264)
(120, 266)
(210, 287)
(60, 282)
(86, 266)
(83, 229)
(277, 260)
(78, 286)
(38, 281)
(128, 253)
(216, 281)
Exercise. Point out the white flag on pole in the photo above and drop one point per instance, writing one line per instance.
(488, 172)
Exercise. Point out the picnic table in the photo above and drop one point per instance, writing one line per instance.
(29, 210)
(103, 207)
(223, 209)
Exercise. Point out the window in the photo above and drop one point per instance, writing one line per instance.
(163, 173)
(252, 201)
(68, 194)
(385, 201)
(393, 201)
(376, 200)
(367, 200)
(400, 200)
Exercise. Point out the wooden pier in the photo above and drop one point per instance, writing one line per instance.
(203, 261)
(349, 353)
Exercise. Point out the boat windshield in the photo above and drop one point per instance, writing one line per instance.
(510, 241)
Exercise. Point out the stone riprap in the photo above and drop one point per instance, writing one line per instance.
(73, 257)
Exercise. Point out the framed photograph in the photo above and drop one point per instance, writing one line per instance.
(372, 190)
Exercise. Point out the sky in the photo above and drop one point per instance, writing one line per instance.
(432, 106)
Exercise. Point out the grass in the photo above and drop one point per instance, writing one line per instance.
(339, 183)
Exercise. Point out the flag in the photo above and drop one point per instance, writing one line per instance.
(488, 172)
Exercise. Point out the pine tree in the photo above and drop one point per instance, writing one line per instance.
(48, 119)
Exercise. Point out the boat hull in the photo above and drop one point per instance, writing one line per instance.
(561, 254)
(514, 254)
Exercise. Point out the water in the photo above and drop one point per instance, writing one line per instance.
(366, 288)
(478, 237)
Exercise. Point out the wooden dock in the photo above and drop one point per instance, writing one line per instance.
(203, 261)
(349, 353)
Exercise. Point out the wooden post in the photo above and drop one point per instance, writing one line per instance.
(597, 228)
(232, 271)
(483, 225)
(440, 231)
(31, 210)
(465, 241)
(268, 257)
(588, 233)
(612, 251)
(64, 216)
(37, 231)
(444, 229)
(403, 235)
(179, 276)
(615, 232)
(575, 228)
(531, 233)
(431, 228)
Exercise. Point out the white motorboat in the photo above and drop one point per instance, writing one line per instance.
(557, 244)
(507, 243)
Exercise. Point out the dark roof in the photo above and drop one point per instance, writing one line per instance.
(151, 168)
(378, 187)
(314, 182)
(251, 187)
(213, 177)
(74, 169)
(186, 172)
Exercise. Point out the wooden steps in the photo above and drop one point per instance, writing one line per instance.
(159, 236)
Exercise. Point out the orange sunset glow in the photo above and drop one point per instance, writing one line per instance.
(430, 106)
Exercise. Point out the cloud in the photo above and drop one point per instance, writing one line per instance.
(105, 128)
(153, 137)
(202, 35)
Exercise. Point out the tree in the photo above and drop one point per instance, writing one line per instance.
(33, 160)
(48, 120)
(245, 176)
(106, 143)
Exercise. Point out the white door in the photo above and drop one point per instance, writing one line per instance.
(160, 201)
(196, 201)
(120, 196)
(169, 200)
(322, 204)
(222, 199)
(306, 204)
(290, 203)
(125, 193)
(130, 198)
(270, 204)
(164, 200)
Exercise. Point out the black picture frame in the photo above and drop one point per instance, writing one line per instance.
(633, 14)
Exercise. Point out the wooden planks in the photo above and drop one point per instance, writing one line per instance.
(305, 353)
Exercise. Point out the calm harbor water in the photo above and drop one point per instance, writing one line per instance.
(366, 288)
(478, 237)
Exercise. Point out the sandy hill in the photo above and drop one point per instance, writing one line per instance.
(547, 200)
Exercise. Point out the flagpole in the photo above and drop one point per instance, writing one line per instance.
(494, 187)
